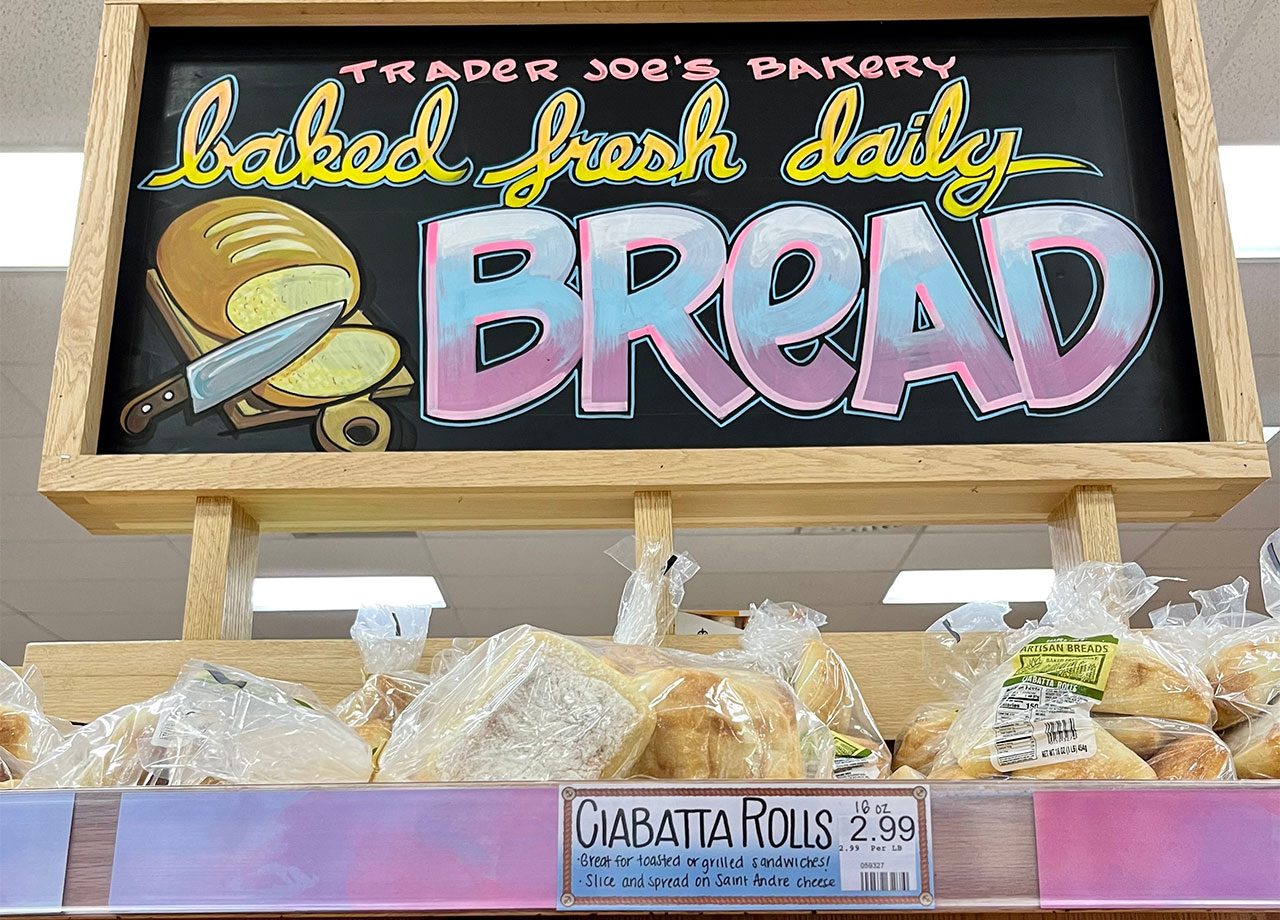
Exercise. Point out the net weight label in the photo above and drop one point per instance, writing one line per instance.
(739, 847)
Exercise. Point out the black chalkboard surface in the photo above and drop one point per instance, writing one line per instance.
(500, 238)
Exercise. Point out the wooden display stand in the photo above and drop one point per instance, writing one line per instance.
(1080, 491)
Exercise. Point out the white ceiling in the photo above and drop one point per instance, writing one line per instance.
(56, 582)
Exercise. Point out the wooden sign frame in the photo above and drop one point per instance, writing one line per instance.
(1082, 490)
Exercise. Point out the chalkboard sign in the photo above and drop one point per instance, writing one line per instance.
(681, 236)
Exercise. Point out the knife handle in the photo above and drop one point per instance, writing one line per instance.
(160, 400)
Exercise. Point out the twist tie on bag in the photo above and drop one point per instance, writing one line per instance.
(390, 637)
(653, 592)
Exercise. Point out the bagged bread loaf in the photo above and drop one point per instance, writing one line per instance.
(717, 722)
(26, 733)
(1255, 745)
(391, 641)
(112, 750)
(527, 704)
(1036, 710)
(956, 650)
(235, 727)
(1238, 650)
(785, 640)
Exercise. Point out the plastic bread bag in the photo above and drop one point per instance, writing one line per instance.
(112, 750)
(26, 733)
(236, 727)
(1255, 744)
(653, 592)
(1238, 650)
(1173, 750)
(784, 639)
(391, 641)
(1033, 715)
(525, 704)
(719, 718)
(957, 648)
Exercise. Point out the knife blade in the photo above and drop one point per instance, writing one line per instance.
(232, 368)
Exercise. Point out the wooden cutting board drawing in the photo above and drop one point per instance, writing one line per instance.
(250, 410)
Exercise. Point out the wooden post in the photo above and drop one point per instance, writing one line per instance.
(224, 559)
(653, 525)
(1083, 528)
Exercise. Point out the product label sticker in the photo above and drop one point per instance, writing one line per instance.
(853, 760)
(744, 848)
(1043, 713)
(1063, 662)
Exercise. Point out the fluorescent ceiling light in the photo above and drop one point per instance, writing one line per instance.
(1269, 431)
(39, 191)
(960, 586)
(345, 592)
(1251, 177)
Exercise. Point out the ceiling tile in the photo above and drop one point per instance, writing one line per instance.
(16, 631)
(1136, 540)
(1220, 22)
(49, 53)
(508, 592)
(93, 558)
(1260, 285)
(1227, 549)
(571, 620)
(535, 552)
(1266, 370)
(30, 302)
(96, 597)
(981, 550)
(19, 465)
(341, 555)
(87, 627)
(32, 517)
(303, 625)
(848, 552)
(737, 591)
(1244, 84)
(21, 419)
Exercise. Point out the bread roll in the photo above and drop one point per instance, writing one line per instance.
(1144, 736)
(1145, 680)
(1197, 755)
(825, 686)
(16, 733)
(906, 773)
(346, 361)
(921, 738)
(1246, 676)
(712, 724)
(237, 264)
(526, 704)
(947, 768)
(1255, 745)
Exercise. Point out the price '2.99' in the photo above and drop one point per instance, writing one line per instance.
(902, 829)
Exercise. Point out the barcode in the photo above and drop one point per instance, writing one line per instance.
(887, 881)
(1015, 750)
(1058, 730)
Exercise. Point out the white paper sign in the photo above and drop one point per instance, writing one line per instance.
(738, 847)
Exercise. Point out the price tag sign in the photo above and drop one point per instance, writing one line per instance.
(740, 848)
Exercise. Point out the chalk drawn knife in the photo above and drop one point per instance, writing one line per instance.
(230, 369)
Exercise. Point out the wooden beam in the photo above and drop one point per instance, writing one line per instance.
(83, 680)
(88, 300)
(654, 528)
(224, 559)
(518, 12)
(1213, 281)
(1083, 528)
(740, 487)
